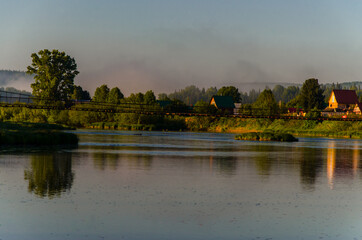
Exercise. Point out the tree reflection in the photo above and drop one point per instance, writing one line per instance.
(226, 165)
(104, 160)
(263, 164)
(310, 166)
(264, 160)
(50, 174)
(111, 160)
(143, 161)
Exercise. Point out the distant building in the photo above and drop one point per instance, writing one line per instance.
(296, 111)
(237, 108)
(342, 102)
(224, 103)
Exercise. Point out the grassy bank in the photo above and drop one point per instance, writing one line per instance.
(295, 127)
(35, 134)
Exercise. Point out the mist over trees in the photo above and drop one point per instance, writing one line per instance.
(8, 76)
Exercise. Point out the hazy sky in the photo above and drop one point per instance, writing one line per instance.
(166, 45)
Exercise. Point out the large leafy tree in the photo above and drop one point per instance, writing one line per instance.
(230, 91)
(54, 74)
(311, 95)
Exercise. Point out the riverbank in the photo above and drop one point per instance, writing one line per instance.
(308, 128)
(336, 129)
(35, 134)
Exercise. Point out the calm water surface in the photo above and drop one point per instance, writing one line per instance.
(155, 185)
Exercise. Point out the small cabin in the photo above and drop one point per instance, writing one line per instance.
(224, 103)
(342, 99)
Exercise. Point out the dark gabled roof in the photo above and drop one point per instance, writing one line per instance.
(223, 101)
(346, 96)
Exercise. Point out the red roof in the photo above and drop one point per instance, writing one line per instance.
(346, 96)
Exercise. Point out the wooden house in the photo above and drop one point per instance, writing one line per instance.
(224, 103)
(343, 99)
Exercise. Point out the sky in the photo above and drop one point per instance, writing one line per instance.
(166, 45)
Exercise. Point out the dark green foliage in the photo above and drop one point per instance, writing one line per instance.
(115, 96)
(290, 93)
(311, 95)
(80, 94)
(204, 107)
(101, 94)
(149, 97)
(266, 136)
(266, 104)
(278, 91)
(246, 109)
(230, 91)
(190, 95)
(54, 74)
(35, 134)
(163, 97)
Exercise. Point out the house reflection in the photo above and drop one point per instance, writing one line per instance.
(331, 163)
(50, 174)
(342, 163)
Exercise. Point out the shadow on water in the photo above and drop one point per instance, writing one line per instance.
(50, 174)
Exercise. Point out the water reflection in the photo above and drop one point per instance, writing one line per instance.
(342, 163)
(50, 174)
(226, 165)
(263, 164)
(331, 163)
(103, 160)
(310, 166)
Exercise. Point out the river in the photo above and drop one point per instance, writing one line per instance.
(175, 185)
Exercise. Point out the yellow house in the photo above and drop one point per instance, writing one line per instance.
(342, 99)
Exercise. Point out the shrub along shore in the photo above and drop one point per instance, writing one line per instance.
(335, 129)
(134, 121)
(35, 134)
(266, 136)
